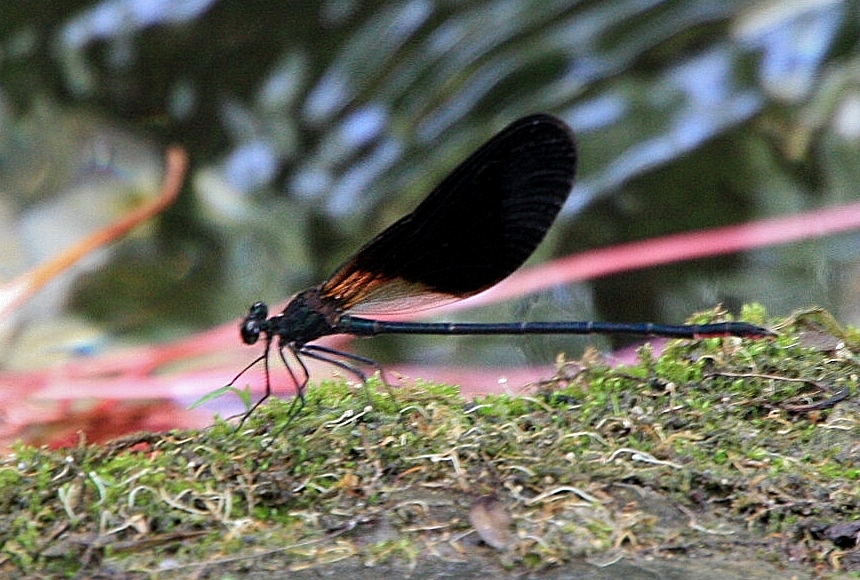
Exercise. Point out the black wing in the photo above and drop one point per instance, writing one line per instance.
(478, 226)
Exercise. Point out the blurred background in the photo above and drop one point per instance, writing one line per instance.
(312, 125)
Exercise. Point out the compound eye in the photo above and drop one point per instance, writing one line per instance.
(254, 323)
(258, 310)
(250, 330)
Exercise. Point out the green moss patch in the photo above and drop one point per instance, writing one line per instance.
(711, 445)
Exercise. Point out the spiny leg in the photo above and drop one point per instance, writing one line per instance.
(265, 358)
(268, 392)
(326, 354)
(299, 400)
(317, 352)
(267, 371)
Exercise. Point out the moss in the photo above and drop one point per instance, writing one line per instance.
(744, 433)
